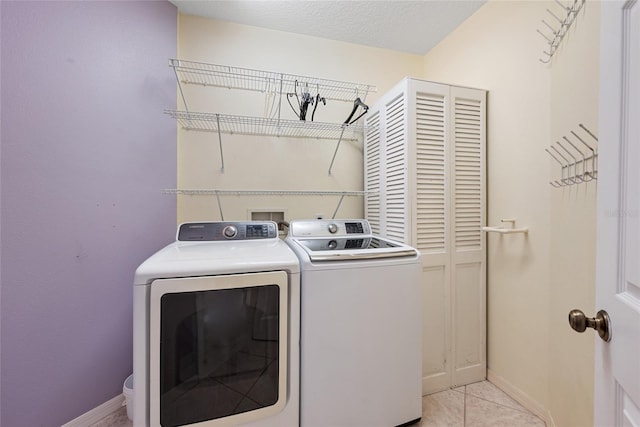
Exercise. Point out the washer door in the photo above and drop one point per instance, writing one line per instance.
(218, 349)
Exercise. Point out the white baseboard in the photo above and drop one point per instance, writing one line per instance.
(97, 413)
(520, 397)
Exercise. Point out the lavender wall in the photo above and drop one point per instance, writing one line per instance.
(85, 154)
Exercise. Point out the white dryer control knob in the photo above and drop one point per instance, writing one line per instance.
(230, 232)
(333, 228)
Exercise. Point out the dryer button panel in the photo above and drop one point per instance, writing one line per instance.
(224, 231)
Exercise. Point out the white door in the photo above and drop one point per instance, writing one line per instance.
(617, 363)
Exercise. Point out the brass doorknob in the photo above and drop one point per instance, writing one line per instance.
(579, 322)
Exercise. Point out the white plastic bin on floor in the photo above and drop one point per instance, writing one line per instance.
(127, 391)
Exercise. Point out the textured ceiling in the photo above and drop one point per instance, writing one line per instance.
(404, 26)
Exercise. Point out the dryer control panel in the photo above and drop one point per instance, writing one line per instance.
(225, 230)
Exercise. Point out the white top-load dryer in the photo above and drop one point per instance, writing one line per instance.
(216, 329)
(361, 326)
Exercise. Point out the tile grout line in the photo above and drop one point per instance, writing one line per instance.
(525, 411)
(464, 410)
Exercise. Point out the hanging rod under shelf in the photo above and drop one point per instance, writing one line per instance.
(192, 72)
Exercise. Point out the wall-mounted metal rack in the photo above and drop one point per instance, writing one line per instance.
(270, 83)
(218, 193)
(568, 14)
(577, 165)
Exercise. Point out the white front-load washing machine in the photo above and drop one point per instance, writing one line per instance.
(216, 329)
(361, 326)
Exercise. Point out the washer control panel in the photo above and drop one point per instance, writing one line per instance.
(225, 230)
(329, 228)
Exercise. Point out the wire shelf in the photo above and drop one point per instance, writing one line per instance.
(218, 193)
(260, 126)
(212, 192)
(191, 72)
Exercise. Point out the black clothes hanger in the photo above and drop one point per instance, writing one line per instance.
(304, 100)
(357, 103)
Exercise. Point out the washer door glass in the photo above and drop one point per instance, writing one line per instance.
(220, 349)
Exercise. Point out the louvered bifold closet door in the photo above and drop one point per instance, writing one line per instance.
(468, 258)
(372, 176)
(431, 192)
(395, 157)
(431, 206)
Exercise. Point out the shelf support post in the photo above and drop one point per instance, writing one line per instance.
(219, 205)
(338, 207)
(220, 144)
(280, 99)
(344, 126)
(175, 72)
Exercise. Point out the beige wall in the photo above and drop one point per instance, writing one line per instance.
(574, 100)
(533, 282)
(269, 163)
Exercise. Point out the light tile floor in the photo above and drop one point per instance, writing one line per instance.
(475, 405)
